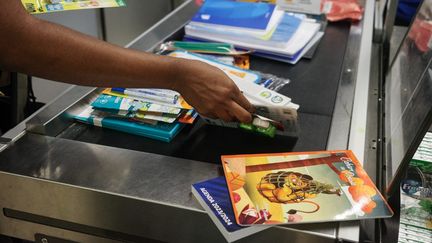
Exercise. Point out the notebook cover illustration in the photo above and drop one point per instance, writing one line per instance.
(301, 187)
(47, 6)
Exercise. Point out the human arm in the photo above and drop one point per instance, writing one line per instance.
(47, 50)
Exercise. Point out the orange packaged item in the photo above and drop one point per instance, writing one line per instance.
(336, 10)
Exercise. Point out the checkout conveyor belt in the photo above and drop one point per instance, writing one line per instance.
(314, 84)
(83, 183)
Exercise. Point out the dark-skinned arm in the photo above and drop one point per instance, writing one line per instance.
(50, 51)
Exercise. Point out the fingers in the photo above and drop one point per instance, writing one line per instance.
(243, 102)
(236, 109)
(231, 112)
(224, 101)
(208, 115)
(224, 115)
(239, 113)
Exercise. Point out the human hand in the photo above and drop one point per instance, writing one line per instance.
(211, 92)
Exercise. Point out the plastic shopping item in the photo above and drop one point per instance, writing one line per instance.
(337, 10)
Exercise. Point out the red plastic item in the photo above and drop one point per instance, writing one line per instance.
(421, 34)
(337, 10)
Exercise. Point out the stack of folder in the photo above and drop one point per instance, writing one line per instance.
(261, 27)
(154, 113)
(258, 191)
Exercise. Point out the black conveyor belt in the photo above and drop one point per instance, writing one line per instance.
(313, 86)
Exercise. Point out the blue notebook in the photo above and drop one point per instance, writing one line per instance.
(214, 197)
(293, 59)
(280, 36)
(286, 28)
(288, 37)
(235, 14)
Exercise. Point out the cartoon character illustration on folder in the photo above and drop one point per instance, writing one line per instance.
(292, 187)
(301, 187)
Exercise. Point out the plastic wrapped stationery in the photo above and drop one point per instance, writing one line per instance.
(275, 113)
(160, 114)
(304, 187)
(261, 27)
(153, 113)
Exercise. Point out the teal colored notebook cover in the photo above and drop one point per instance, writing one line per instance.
(161, 131)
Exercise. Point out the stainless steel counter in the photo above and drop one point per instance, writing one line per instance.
(54, 184)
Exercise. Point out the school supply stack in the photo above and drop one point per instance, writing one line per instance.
(261, 190)
(155, 113)
(275, 113)
(222, 52)
(261, 27)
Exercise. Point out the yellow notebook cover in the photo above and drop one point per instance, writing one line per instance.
(47, 6)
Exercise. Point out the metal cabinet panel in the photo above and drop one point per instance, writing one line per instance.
(125, 24)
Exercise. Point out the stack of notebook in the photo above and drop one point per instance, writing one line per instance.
(261, 190)
(153, 113)
(261, 27)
